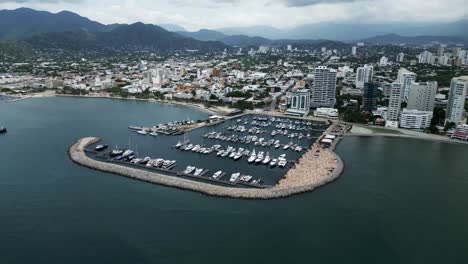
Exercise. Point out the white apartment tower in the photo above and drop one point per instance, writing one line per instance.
(406, 78)
(394, 105)
(364, 75)
(457, 97)
(400, 57)
(422, 96)
(354, 51)
(324, 88)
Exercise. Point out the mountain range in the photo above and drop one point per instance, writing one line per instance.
(353, 31)
(71, 31)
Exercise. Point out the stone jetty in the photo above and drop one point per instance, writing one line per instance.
(314, 169)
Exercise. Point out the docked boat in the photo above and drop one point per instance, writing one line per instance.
(179, 144)
(234, 177)
(246, 178)
(168, 164)
(217, 175)
(286, 147)
(253, 157)
(157, 163)
(125, 155)
(282, 163)
(153, 134)
(260, 157)
(189, 147)
(274, 162)
(101, 147)
(116, 152)
(189, 170)
(198, 172)
(267, 159)
(196, 148)
(142, 132)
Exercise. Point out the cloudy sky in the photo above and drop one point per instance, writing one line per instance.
(196, 14)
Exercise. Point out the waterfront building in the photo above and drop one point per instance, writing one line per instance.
(364, 75)
(328, 113)
(369, 97)
(461, 132)
(394, 105)
(457, 97)
(300, 103)
(324, 87)
(406, 78)
(422, 96)
(414, 119)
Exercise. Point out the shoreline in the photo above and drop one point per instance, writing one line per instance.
(288, 186)
(360, 131)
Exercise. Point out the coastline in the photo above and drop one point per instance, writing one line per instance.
(361, 131)
(212, 110)
(290, 186)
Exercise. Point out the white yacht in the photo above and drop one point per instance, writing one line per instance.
(260, 157)
(142, 132)
(246, 178)
(153, 134)
(234, 177)
(267, 159)
(189, 170)
(253, 157)
(198, 172)
(217, 175)
(274, 162)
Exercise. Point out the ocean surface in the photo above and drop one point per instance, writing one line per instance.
(399, 200)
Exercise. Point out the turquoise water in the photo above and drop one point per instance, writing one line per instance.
(399, 200)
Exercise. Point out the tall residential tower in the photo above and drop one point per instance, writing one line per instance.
(324, 88)
(457, 97)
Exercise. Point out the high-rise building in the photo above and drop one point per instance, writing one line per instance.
(369, 97)
(400, 57)
(324, 88)
(422, 96)
(354, 51)
(457, 97)
(456, 52)
(289, 47)
(425, 57)
(394, 105)
(441, 50)
(364, 75)
(406, 78)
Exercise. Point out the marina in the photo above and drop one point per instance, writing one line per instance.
(250, 151)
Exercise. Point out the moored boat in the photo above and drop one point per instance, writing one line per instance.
(101, 147)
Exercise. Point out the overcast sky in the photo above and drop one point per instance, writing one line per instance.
(196, 14)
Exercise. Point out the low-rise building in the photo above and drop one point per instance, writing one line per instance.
(414, 119)
(328, 113)
(461, 132)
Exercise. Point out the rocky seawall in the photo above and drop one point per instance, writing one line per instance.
(78, 155)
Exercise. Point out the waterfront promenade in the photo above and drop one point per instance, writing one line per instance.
(311, 172)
